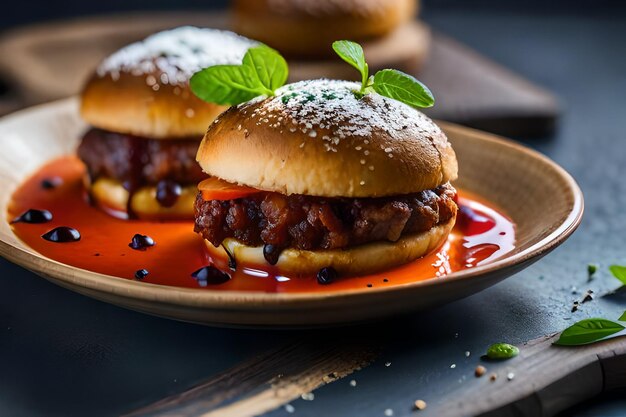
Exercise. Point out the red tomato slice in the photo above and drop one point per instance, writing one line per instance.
(216, 189)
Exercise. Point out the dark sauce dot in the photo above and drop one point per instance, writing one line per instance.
(96, 254)
(502, 233)
(369, 285)
(210, 275)
(62, 234)
(141, 274)
(326, 275)
(232, 263)
(141, 242)
(33, 216)
(167, 192)
(51, 183)
(271, 253)
(385, 280)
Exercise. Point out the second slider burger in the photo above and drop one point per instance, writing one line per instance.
(146, 124)
(324, 174)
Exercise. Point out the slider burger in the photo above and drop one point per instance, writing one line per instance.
(320, 175)
(146, 124)
(293, 26)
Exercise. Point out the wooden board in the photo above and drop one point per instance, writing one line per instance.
(52, 60)
(542, 381)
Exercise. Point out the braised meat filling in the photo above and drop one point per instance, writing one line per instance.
(309, 223)
(137, 161)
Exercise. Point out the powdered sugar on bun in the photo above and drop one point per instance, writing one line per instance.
(173, 56)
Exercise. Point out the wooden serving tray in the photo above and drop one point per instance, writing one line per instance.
(52, 60)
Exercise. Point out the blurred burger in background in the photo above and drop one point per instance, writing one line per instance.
(303, 30)
(146, 124)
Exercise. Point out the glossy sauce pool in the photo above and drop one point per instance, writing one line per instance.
(481, 235)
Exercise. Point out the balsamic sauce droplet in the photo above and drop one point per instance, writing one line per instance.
(51, 183)
(232, 263)
(271, 253)
(33, 216)
(326, 275)
(62, 234)
(167, 192)
(141, 242)
(141, 274)
(210, 275)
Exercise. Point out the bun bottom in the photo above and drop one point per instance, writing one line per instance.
(363, 259)
(110, 196)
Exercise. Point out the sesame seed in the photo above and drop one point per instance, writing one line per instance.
(362, 161)
(308, 396)
(388, 412)
(362, 183)
(289, 408)
(387, 364)
(467, 353)
(312, 133)
(510, 376)
(387, 150)
(419, 404)
(190, 113)
(453, 366)
(371, 167)
(353, 383)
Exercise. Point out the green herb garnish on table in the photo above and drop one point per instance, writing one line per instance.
(502, 351)
(619, 272)
(592, 330)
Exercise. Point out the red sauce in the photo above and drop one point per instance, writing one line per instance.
(482, 234)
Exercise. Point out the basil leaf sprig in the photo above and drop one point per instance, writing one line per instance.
(262, 72)
(388, 82)
(592, 330)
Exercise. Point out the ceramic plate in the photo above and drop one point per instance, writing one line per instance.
(541, 198)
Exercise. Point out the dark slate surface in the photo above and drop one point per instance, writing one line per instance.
(62, 354)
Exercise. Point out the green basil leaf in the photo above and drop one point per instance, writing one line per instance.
(622, 317)
(402, 87)
(352, 53)
(269, 67)
(226, 84)
(588, 331)
(619, 272)
(502, 351)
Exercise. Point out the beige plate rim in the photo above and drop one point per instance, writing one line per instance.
(234, 299)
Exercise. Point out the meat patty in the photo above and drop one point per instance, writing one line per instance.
(306, 222)
(140, 161)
